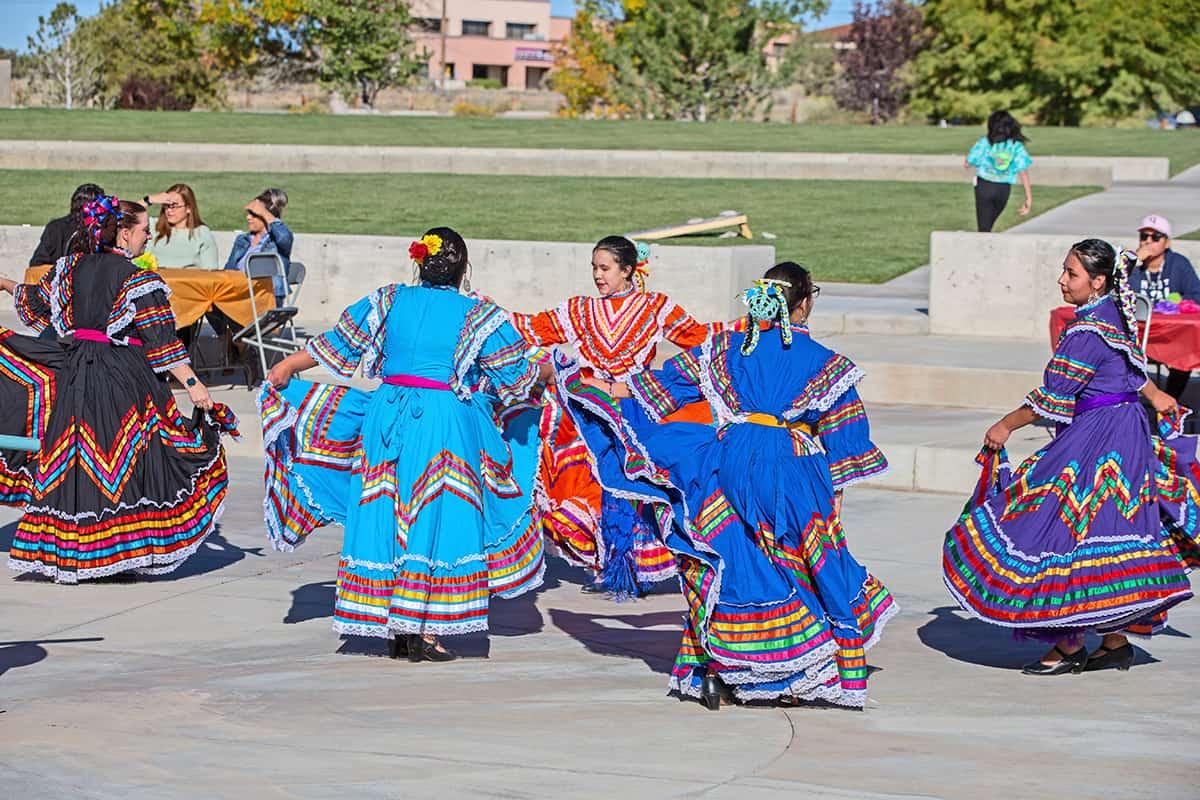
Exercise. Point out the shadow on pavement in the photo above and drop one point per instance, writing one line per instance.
(311, 601)
(973, 641)
(25, 654)
(626, 635)
(6, 536)
(215, 554)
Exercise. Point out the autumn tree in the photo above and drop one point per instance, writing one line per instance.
(60, 60)
(363, 46)
(883, 38)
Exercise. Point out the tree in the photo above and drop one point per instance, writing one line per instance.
(581, 74)
(695, 59)
(363, 46)
(883, 38)
(248, 37)
(1060, 62)
(58, 58)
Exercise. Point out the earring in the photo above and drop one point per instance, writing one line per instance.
(466, 284)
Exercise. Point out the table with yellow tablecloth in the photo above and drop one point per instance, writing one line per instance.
(195, 292)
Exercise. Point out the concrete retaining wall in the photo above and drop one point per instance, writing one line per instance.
(187, 157)
(524, 276)
(1004, 285)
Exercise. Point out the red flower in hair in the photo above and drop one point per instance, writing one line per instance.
(418, 252)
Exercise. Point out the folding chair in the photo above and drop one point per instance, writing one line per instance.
(272, 330)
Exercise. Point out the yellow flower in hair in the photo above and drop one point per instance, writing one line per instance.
(433, 242)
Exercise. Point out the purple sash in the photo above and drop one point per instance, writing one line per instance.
(1101, 400)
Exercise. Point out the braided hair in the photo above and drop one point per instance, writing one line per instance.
(773, 298)
(1101, 260)
(99, 222)
(441, 257)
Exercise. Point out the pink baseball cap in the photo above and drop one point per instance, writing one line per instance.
(1156, 223)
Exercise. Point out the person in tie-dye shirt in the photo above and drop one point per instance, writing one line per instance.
(999, 159)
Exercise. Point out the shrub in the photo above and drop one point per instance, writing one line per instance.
(464, 109)
(485, 83)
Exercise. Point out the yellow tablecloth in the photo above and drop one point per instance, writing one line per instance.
(195, 292)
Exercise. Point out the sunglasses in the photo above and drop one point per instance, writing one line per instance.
(172, 206)
(1154, 235)
(816, 292)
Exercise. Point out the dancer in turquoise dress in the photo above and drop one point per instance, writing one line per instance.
(778, 607)
(435, 503)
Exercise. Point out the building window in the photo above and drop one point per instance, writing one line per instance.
(781, 49)
(475, 27)
(429, 24)
(520, 30)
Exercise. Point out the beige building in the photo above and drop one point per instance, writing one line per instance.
(509, 41)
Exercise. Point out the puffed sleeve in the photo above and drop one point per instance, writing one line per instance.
(1070, 371)
(542, 329)
(663, 391)
(143, 306)
(356, 338)
(846, 435)
(504, 359)
(682, 329)
(32, 301)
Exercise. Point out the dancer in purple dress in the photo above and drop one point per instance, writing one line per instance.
(1074, 540)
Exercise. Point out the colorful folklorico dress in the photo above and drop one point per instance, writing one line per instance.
(1074, 539)
(777, 604)
(613, 338)
(122, 481)
(435, 504)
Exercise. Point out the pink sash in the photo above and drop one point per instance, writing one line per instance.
(415, 382)
(93, 335)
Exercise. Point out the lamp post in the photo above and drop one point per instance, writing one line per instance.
(443, 60)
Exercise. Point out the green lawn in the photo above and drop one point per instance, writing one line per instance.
(844, 230)
(1182, 147)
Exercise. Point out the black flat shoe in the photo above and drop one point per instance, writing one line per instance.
(421, 650)
(712, 691)
(1104, 657)
(398, 646)
(1071, 662)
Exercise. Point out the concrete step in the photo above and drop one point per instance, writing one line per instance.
(932, 449)
(944, 371)
(888, 316)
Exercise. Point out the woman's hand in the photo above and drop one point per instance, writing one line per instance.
(259, 210)
(198, 393)
(280, 375)
(1162, 402)
(996, 436)
(1025, 208)
(595, 383)
(8, 285)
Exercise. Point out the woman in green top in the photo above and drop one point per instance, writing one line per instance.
(998, 160)
(181, 239)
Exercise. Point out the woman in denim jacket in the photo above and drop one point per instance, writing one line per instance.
(265, 233)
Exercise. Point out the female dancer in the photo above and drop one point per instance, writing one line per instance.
(122, 482)
(435, 505)
(614, 336)
(1073, 541)
(778, 608)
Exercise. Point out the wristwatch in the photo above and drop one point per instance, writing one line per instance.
(146, 199)
(190, 382)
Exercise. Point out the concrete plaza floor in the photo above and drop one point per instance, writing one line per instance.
(225, 681)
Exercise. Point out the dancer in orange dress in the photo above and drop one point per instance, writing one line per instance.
(614, 336)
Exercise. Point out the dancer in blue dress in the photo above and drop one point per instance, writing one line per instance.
(435, 503)
(778, 608)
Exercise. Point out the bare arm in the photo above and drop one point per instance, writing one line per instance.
(7, 285)
(1163, 403)
(1025, 208)
(997, 435)
(197, 391)
(281, 374)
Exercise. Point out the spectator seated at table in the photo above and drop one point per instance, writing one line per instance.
(181, 239)
(1160, 273)
(265, 233)
(56, 236)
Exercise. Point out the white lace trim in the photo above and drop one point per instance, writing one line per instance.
(1136, 358)
(56, 309)
(144, 565)
(825, 402)
(724, 414)
(129, 311)
(1041, 412)
(476, 339)
(372, 357)
(635, 391)
(404, 626)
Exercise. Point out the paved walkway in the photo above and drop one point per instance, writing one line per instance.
(225, 681)
(1116, 211)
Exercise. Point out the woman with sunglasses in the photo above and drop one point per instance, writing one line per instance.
(1160, 273)
(778, 608)
(265, 232)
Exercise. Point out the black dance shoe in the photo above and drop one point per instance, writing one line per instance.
(421, 650)
(398, 646)
(712, 691)
(1071, 662)
(1105, 657)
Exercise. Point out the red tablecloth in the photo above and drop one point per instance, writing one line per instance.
(1174, 338)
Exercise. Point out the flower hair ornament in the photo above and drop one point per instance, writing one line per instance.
(428, 245)
(98, 212)
(641, 270)
(766, 302)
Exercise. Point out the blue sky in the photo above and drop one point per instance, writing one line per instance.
(18, 18)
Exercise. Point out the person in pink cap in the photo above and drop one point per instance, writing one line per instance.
(1161, 272)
